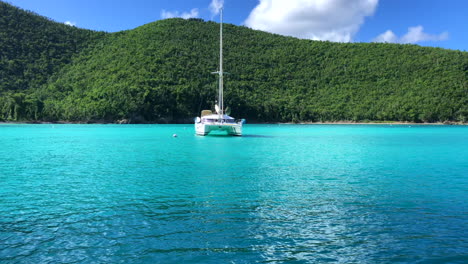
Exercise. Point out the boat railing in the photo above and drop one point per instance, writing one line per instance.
(220, 121)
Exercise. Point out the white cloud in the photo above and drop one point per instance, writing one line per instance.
(185, 15)
(414, 35)
(69, 23)
(386, 37)
(334, 20)
(215, 6)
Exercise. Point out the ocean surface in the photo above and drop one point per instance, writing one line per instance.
(279, 194)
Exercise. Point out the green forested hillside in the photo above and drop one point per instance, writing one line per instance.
(32, 48)
(160, 72)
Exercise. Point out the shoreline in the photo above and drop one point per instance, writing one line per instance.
(374, 123)
(447, 123)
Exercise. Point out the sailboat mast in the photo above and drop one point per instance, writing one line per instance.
(221, 99)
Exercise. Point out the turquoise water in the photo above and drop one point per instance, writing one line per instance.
(280, 194)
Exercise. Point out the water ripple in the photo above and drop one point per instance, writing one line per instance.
(295, 194)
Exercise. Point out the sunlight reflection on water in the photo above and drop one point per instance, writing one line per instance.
(305, 194)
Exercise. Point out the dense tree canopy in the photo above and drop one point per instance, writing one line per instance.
(160, 72)
(32, 48)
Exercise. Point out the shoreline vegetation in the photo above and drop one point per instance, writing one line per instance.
(254, 123)
(161, 73)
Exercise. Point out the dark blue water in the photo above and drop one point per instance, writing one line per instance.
(279, 194)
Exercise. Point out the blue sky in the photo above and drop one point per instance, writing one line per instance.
(436, 23)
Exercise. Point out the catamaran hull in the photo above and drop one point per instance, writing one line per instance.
(230, 129)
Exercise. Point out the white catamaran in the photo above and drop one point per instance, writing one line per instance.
(219, 121)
